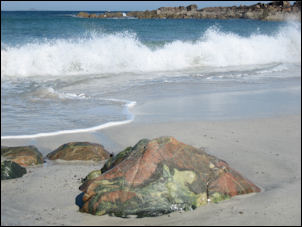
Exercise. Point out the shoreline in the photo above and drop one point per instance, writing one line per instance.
(264, 150)
(128, 106)
(218, 106)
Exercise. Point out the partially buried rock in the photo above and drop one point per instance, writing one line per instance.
(10, 170)
(80, 151)
(23, 155)
(160, 176)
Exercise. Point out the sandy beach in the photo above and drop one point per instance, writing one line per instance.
(267, 151)
(229, 86)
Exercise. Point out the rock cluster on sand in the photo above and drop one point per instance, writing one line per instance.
(10, 170)
(160, 176)
(274, 11)
(80, 151)
(23, 155)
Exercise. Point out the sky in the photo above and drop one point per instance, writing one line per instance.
(112, 5)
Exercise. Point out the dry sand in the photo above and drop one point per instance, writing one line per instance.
(267, 151)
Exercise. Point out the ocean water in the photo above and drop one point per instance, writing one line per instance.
(61, 74)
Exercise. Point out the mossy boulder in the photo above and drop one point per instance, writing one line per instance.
(80, 151)
(23, 155)
(10, 170)
(160, 176)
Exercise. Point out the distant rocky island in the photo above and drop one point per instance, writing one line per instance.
(273, 11)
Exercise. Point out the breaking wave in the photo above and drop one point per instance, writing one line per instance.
(124, 52)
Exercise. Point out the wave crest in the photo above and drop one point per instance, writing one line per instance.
(124, 52)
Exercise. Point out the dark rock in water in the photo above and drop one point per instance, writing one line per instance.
(102, 15)
(113, 15)
(10, 170)
(280, 3)
(192, 7)
(80, 151)
(93, 15)
(83, 14)
(160, 176)
(23, 155)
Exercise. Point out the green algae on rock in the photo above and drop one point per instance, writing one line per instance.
(23, 155)
(10, 170)
(92, 175)
(160, 176)
(80, 151)
(116, 159)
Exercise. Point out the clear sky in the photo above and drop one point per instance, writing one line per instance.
(112, 5)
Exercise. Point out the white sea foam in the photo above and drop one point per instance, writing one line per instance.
(278, 68)
(123, 52)
(256, 73)
(99, 127)
(50, 93)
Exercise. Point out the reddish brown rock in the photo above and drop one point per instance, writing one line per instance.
(80, 151)
(23, 155)
(160, 176)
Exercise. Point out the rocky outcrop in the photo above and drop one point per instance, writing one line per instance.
(160, 176)
(23, 155)
(80, 151)
(10, 170)
(83, 14)
(103, 15)
(274, 11)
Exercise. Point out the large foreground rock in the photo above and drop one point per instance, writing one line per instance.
(160, 176)
(23, 155)
(80, 151)
(10, 170)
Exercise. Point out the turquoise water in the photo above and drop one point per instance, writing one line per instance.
(22, 27)
(59, 72)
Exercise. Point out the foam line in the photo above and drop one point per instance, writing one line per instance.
(72, 131)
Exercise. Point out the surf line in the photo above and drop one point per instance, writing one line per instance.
(129, 105)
